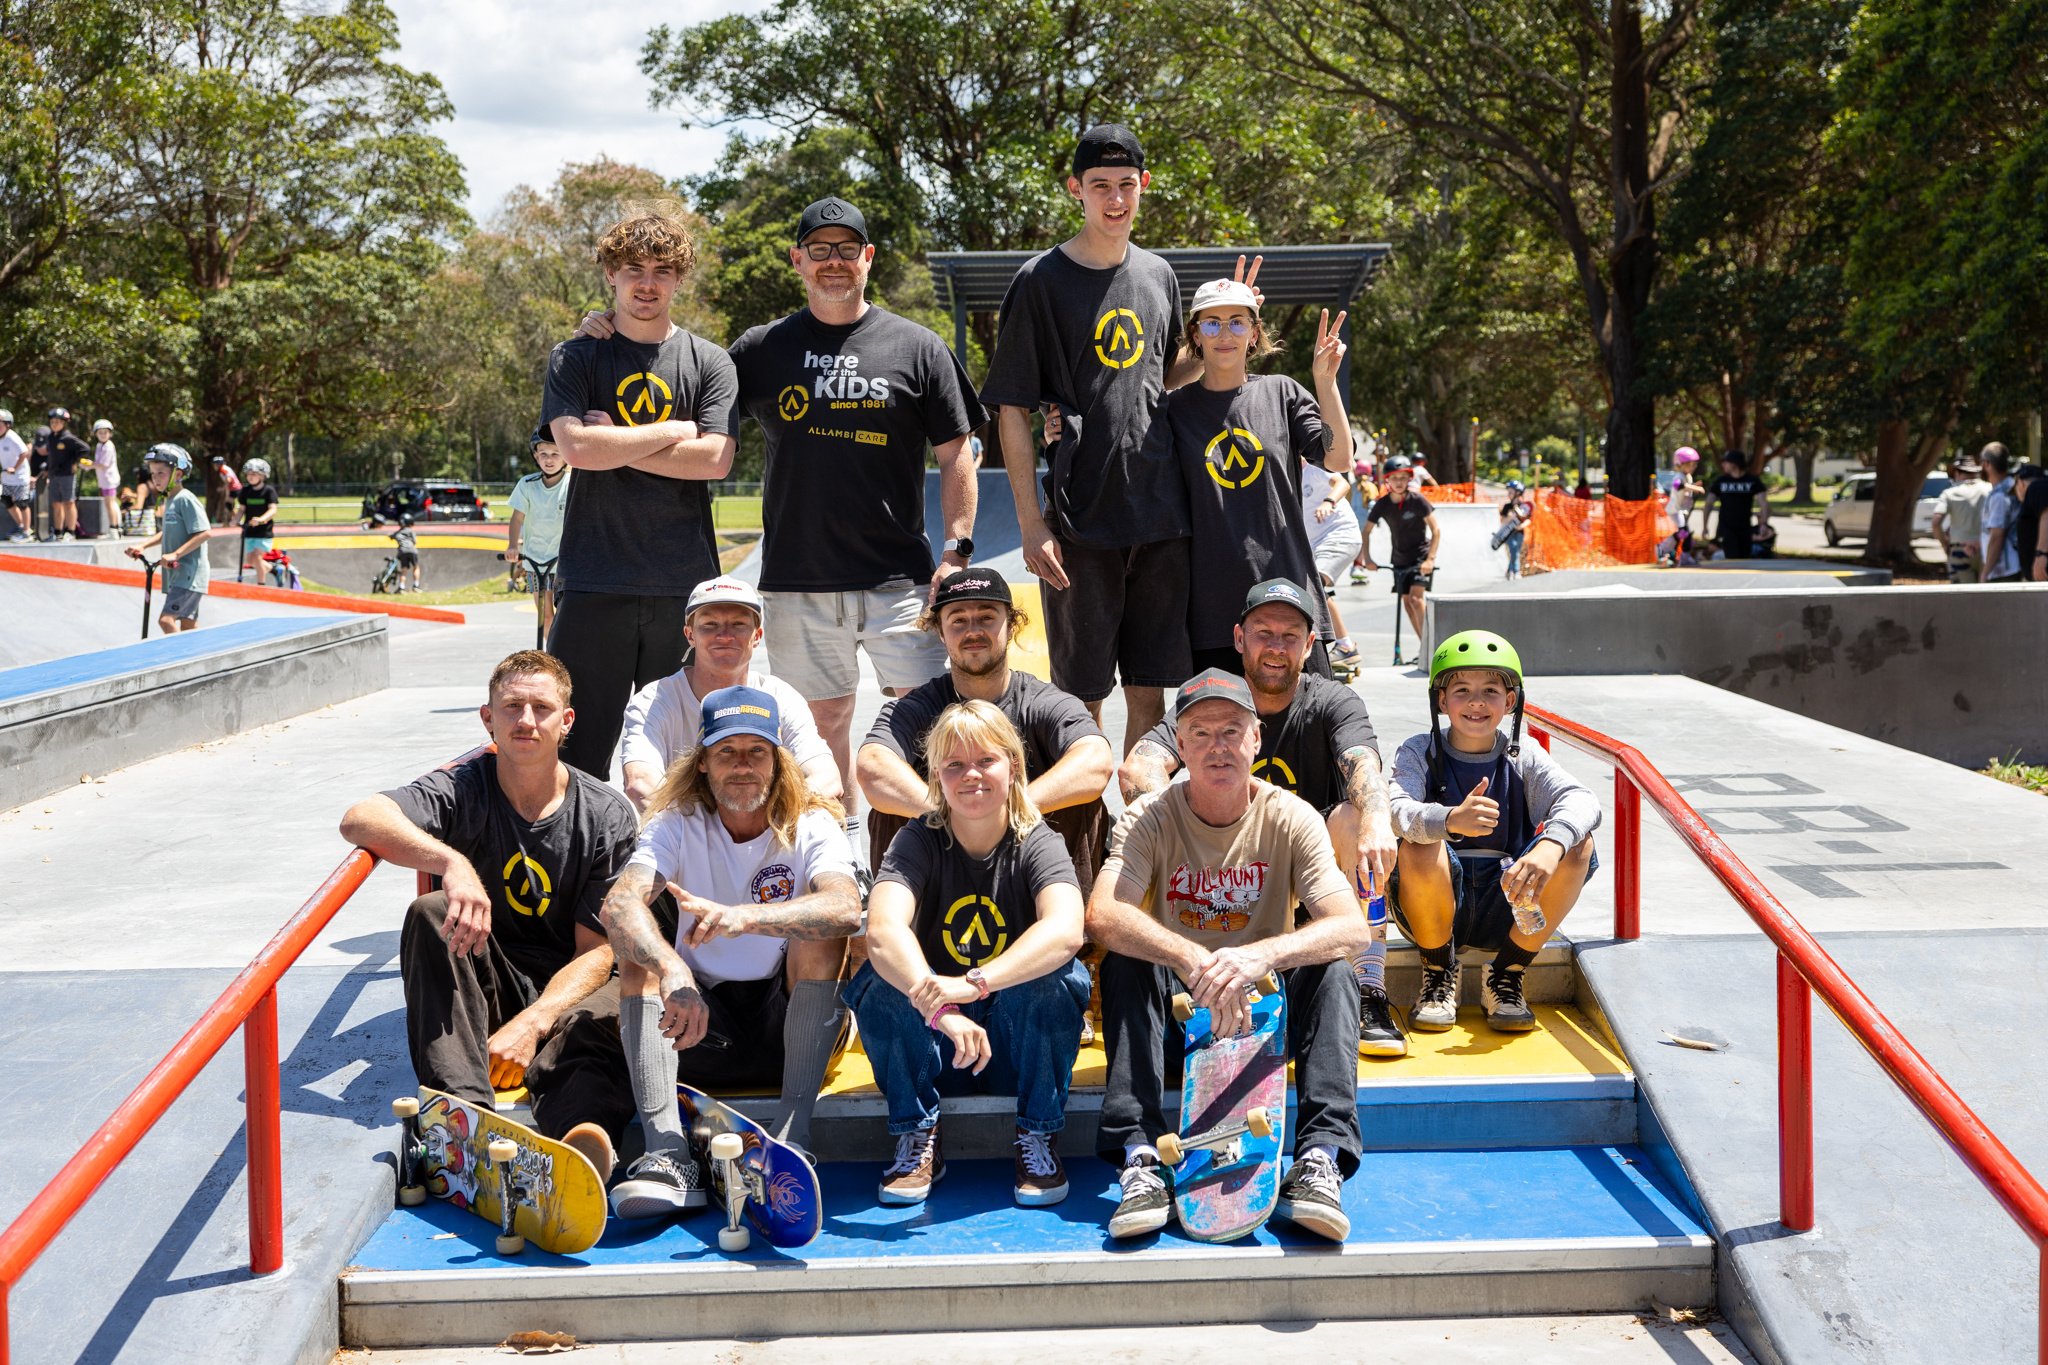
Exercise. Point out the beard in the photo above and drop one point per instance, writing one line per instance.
(1255, 676)
(740, 799)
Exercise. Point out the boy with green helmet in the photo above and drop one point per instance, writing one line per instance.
(1496, 839)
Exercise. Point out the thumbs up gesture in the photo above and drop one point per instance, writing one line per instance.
(1477, 814)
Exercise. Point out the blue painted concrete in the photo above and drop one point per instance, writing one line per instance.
(157, 652)
(1412, 1196)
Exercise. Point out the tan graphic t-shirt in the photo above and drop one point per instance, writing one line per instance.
(1236, 884)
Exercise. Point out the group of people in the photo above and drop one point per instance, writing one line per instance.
(1993, 519)
(713, 919)
(51, 460)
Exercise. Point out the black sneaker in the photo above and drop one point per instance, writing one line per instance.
(1146, 1204)
(1379, 1032)
(1506, 1010)
(1312, 1197)
(660, 1183)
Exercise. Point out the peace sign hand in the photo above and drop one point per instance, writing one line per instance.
(1330, 348)
(1251, 277)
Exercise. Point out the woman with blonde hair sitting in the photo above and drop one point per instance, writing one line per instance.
(971, 981)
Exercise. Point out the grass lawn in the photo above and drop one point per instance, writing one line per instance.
(731, 550)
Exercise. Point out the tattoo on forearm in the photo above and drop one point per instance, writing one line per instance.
(635, 937)
(1152, 768)
(1365, 786)
(832, 911)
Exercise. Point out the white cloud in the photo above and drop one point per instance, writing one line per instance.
(536, 85)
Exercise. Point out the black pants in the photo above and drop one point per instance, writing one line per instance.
(613, 645)
(453, 1005)
(742, 1044)
(1322, 1040)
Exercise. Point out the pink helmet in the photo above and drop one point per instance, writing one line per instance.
(1685, 455)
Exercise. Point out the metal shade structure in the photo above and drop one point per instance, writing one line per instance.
(1329, 276)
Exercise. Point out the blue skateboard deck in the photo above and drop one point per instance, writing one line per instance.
(768, 1182)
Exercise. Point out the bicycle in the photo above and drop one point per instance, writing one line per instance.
(540, 576)
(283, 573)
(387, 579)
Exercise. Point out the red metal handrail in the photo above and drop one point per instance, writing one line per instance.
(1804, 969)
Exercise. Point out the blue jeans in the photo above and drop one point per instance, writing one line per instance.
(1034, 1032)
(1515, 553)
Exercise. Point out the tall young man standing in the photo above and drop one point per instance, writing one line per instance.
(1090, 326)
(647, 417)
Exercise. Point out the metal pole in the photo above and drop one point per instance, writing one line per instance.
(263, 1126)
(1628, 857)
(1795, 1098)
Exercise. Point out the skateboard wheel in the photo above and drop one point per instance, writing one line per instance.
(733, 1239)
(1259, 1121)
(503, 1149)
(412, 1196)
(405, 1107)
(511, 1246)
(1170, 1150)
(1183, 1007)
(727, 1147)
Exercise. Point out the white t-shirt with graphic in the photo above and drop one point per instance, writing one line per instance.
(13, 461)
(665, 720)
(696, 852)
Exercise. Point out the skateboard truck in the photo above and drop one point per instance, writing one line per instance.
(726, 1149)
(1184, 1006)
(412, 1149)
(511, 1190)
(1225, 1139)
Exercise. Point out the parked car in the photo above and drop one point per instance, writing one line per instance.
(1848, 516)
(426, 500)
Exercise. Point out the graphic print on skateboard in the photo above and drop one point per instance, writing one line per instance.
(1233, 1117)
(468, 1155)
(758, 1177)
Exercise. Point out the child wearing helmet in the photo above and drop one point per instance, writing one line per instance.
(1494, 835)
(107, 473)
(259, 516)
(1514, 520)
(183, 530)
(540, 501)
(408, 549)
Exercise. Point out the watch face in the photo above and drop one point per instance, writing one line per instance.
(964, 547)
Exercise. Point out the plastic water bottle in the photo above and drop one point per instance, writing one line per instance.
(1528, 914)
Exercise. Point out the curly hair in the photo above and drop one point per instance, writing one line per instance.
(657, 233)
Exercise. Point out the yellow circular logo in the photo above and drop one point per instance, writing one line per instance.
(974, 930)
(1234, 469)
(1276, 771)
(642, 408)
(1119, 338)
(529, 894)
(793, 402)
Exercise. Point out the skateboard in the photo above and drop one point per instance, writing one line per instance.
(761, 1178)
(453, 1150)
(1233, 1115)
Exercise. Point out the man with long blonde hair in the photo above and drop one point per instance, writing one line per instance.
(746, 991)
(971, 981)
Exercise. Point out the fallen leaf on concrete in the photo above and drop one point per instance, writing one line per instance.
(1697, 1045)
(539, 1343)
(443, 1236)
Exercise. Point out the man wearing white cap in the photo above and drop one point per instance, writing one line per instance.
(17, 491)
(722, 622)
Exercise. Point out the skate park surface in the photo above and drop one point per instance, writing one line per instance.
(133, 901)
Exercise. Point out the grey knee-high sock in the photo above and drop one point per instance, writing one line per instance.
(810, 1032)
(651, 1065)
(1369, 964)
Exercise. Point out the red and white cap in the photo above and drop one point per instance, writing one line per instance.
(724, 588)
(1225, 294)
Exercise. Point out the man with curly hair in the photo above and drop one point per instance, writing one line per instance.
(647, 414)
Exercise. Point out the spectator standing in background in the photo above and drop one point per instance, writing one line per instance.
(2001, 517)
(62, 452)
(107, 473)
(1739, 494)
(1959, 521)
(17, 489)
(2031, 534)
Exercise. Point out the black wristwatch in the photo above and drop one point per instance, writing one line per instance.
(964, 547)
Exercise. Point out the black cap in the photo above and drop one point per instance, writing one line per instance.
(974, 583)
(1213, 684)
(1285, 591)
(830, 212)
(2029, 470)
(1107, 144)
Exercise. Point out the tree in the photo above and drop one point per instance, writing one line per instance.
(281, 172)
(1567, 106)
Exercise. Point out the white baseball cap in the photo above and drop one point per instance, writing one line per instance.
(1225, 293)
(724, 588)
(6, 416)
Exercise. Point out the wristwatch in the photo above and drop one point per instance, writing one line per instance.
(964, 547)
(976, 979)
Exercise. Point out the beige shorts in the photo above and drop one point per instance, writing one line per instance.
(812, 638)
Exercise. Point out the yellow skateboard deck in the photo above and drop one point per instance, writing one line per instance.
(558, 1202)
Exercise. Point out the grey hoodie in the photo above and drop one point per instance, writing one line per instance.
(1566, 809)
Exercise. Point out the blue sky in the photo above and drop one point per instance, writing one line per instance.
(536, 85)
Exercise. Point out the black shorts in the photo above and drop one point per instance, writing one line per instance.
(408, 559)
(1125, 616)
(1411, 577)
(1230, 661)
(1483, 918)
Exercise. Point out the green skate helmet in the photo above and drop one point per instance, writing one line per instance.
(1475, 649)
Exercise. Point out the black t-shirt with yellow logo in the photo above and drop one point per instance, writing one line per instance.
(970, 910)
(625, 530)
(848, 413)
(545, 877)
(1097, 342)
(1240, 453)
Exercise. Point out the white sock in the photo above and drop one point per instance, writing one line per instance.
(1325, 1148)
(1134, 1150)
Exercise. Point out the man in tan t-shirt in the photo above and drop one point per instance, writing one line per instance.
(1202, 888)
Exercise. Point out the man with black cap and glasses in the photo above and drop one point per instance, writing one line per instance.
(1091, 326)
(849, 396)
(1066, 759)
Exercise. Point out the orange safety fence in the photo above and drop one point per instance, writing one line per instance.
(1452, 492)
(1593, 533)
